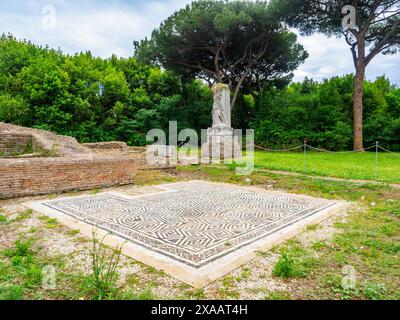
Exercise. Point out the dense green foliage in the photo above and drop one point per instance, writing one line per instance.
(94, 99)
(322, 114)
(371, 27)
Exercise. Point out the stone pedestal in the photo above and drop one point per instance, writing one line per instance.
(221, 143)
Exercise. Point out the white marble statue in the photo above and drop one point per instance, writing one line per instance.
(221, 142)
(221, 107)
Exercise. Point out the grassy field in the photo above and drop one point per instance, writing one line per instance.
(348, 165)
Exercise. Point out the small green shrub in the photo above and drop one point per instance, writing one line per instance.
(22, 249)
(196, 294)
(26, 214)
(295, 262)
(146, 294)
(319, 245)
(33, 275)
(50, 223)
(11, 292)
(375, 291)
(277, 295)
(199, 294)
(23, 264)
(244, 275)
(285, 267)
(72, 232)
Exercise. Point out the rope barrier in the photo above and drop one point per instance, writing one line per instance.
(305, 146)
(317, 149)
(343, 152)
(275, 150)
(386, 150)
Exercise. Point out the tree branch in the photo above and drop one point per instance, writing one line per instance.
(379, 46)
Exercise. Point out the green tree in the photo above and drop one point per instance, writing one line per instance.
(45, 85)
(96, 99)
(14, 110)
(238, 43)
(14, 56)
(376, 30)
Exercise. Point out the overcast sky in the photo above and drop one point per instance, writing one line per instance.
(110, 26)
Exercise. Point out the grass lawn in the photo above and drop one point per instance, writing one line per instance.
(349, 166)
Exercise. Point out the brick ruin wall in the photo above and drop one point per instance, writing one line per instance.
(108, 146)
(27, 177)
(11, 144)
(71, 166)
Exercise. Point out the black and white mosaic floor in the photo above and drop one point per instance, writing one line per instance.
(194, 223)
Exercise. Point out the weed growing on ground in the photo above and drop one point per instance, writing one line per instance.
(193, 294)
(277, 295)
(26, 214)
(295, 262)
(375, 291)
(50, 223)
(285, 267)
(244, 275)
(146, 294)
(229, 288)
(72, 232)
(11, 292)
(3, 219)
(23, 264)
(102, 281)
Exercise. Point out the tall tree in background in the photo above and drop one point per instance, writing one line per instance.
(238, 43)
(376, 30)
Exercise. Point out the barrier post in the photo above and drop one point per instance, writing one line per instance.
(305, 157)
(376, 159)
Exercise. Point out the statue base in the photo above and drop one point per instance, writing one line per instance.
(221, 144)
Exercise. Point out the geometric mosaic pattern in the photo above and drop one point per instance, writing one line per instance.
(195, 223)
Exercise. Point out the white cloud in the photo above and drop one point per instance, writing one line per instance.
(102, 29)
(332, 56)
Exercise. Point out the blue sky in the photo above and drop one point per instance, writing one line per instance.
(110, 26)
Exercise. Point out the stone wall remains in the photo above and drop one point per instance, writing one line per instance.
(108, 146)
(52, 143)
(27, 177)
(12, 144)
(61, 165)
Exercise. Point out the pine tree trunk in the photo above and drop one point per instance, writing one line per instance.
(358, 107)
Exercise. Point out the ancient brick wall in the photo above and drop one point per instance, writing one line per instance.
(25, 177)
(108, 146)
(11, 144)
(47, 141)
